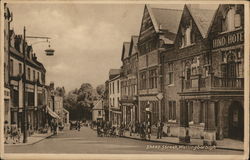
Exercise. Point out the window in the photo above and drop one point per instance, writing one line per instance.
(143, 80)
(28, 73)
(20, 68)
(188, 35)
(99, 113)
(113, 87)
(153, 78)
(170, 74)
(155, 112)
(34, 75)
(202, 112)
(113, 102)
(38, 76)
(118, 85)
(11, 67)
(190, 112)
(231, 21)
(172, 110)
(110, 102)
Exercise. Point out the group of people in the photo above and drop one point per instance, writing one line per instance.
(11, 133)
(106, 129)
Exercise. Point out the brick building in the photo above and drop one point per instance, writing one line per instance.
(158, 30)
(129, 77)
(199, 72)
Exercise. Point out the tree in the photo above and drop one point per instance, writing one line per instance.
(60, 91)
(100, 89)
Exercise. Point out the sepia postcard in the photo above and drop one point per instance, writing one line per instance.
(124, 79)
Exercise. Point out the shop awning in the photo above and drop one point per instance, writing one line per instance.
(53, 114)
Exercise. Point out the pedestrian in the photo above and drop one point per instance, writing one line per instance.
(55, 127)
(137, 128)
(130, 128)
(78, 125)
(6, 131)
(160, 126)
(14, 132)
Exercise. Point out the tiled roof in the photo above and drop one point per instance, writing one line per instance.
(202, 17)
(167, 19)
(125, 50)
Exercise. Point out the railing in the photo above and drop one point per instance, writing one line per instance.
(228, 82)
(198, 83)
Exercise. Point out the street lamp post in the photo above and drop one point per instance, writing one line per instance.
(25, 109)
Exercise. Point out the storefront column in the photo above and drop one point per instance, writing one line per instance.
(184, 126)
(209, 130)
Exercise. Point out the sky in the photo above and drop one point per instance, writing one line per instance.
(87, 38)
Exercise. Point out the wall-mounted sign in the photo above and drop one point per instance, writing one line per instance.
(228, 39)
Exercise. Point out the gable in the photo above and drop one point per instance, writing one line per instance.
(186, 20)
(216, 25)
(202, 17)
(147, 25)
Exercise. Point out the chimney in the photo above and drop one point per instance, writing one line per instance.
(51, 85)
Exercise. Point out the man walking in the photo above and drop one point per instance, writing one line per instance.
(159, 129)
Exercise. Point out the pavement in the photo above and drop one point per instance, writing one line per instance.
(226, 143)
(33, 139)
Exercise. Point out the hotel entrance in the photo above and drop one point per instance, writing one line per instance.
(236, 121)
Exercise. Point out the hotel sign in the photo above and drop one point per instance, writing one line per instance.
(228, 39)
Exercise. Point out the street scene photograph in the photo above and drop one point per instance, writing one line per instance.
(124, 78)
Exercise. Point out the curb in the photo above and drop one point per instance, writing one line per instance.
(156, 141)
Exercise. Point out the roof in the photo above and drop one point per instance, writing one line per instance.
(134, 41)
(114, 72)
(97, 105)
(165, 18)
(202, 17)
(125, 50)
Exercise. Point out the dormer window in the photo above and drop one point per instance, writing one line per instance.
(231, 21)
(188, 35)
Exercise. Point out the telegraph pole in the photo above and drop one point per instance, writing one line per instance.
(25, 129)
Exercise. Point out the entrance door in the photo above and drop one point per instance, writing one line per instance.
(236, 121)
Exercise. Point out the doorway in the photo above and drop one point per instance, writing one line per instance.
(236, 121)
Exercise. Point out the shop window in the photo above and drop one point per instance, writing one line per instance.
(202, 113)
(172, 110)
(190, 112)
(155, 112)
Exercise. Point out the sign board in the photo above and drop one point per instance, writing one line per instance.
(159, 96)
(228, 39)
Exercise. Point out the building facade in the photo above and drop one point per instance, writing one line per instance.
(129, 77)
(158, 29)
(7, 21)
(115, 114)
(204, 79)
(98, 112)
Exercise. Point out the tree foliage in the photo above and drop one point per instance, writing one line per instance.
(79, 102)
